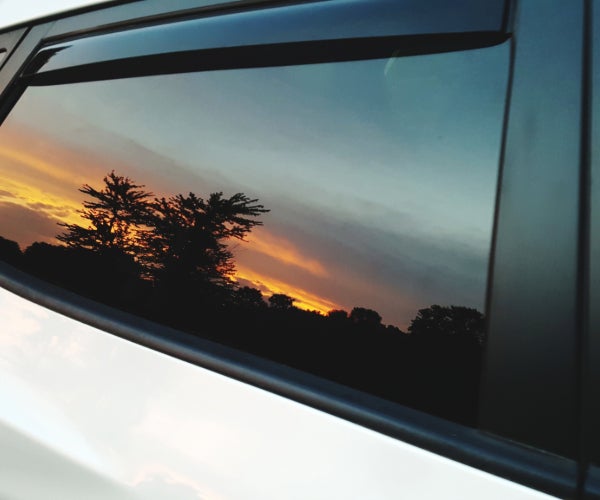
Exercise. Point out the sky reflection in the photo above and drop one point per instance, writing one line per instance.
(380, 175)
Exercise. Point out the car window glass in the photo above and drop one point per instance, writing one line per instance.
(335, 217)
(593, 366)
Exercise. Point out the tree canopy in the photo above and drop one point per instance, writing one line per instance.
(117, 215)
(189, 234)
(169, 260)
(179, 239)
(281, 301)
(439, 320)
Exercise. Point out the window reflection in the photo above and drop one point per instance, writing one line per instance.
(333, 217)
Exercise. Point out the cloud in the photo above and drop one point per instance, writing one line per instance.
(40, 206)
(394, 270)
(34, 162)
(268, 285)
(24, 225)
(60, 212)
(328, 246)
(285, 251)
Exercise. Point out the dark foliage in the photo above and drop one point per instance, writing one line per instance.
(10, 251)
(168, 260)
(281, 301)
(457, 321)
(364, 316)
(116, 214)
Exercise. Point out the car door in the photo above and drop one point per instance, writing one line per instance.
(315, 249)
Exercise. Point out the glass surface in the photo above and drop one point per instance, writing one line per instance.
(593, 362)
(333, 217)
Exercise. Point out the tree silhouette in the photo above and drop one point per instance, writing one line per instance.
(188, 240)
(281, 301)
(116, 214)
(175, 241)
(10, 251)
(364, 316)
(337, 315)
(454, 321)
(168, 260)
(247, 297)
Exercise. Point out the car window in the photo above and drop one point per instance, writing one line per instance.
(333, 217)
(593, 325)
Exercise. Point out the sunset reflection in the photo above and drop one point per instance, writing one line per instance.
(284, 251)
(361, 214)
(303, 214)
(269, 285)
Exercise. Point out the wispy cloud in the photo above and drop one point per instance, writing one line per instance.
(25, 226)
(283, 250)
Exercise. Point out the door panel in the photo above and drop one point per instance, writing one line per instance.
(86, 413)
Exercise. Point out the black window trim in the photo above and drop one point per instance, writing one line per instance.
(514, 461)
(249, 56)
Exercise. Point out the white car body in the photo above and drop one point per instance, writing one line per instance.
(89, 415)
(85, 414)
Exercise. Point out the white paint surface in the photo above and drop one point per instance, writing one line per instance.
(86, 414)
(19, 11)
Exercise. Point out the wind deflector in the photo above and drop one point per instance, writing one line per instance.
(327, 30)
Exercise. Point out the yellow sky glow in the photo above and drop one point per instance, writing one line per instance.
(31, 191)
(303, 299)
(35, 162)
(56, 207)
(284, 251)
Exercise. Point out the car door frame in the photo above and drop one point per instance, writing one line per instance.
(507, 442)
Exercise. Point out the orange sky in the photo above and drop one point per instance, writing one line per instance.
(270, 285)
(42, 177)
(46, 186)
(364, 213)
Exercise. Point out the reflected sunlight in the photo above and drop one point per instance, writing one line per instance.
(35, 163)
(36, 197)
(283, 250)
(269, 285)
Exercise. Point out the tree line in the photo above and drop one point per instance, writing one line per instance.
(168, 259)
(180, 238)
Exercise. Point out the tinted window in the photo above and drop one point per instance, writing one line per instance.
(333, 217)
(593, 365)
